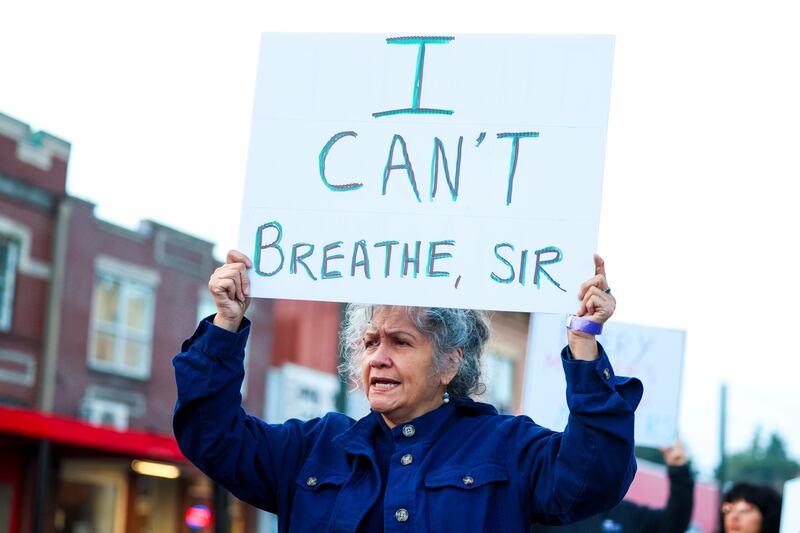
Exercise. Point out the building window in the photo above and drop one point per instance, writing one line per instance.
(122, 324)
(92, 495)
(106, 413)
(9, 258)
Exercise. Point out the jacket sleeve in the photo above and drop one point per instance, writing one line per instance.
(680, 505)
(588, 467)
(254, 460)
(675, 517)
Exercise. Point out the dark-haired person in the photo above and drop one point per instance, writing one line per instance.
(750, 508)
(427, 457)
(629, 517)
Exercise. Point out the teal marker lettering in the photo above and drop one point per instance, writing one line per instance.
(415, 108)
(260, 247)
(433, 255)
(494, 276)
(438, 148)
(410, 260)
(300, 258)
(515, 136)
(541, 262)
(388, 245)
(325, 258)
(364, 262)
(323, 156)
(405, 166)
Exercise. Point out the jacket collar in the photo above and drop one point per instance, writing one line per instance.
(358, 438)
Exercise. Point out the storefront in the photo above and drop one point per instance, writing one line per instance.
(62, 475)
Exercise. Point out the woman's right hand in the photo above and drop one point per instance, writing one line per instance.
(675, 455)
(231, 290)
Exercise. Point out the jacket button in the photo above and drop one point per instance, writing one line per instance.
(401, 515)
(406, 460)
(468, 480)
(311, 481)
(606, 374)
(408, 431)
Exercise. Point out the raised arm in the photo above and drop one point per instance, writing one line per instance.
(675, 517)
(253, 460)
(589, 467)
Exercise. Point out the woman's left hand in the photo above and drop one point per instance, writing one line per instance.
(597, 304)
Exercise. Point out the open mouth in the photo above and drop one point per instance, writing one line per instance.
(383, 383)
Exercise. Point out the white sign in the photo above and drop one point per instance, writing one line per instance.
(295, 391)
(790, 512)
(460, 171)
(653, 355)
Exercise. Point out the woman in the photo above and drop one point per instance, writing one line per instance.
(749, 508)
(426, 458)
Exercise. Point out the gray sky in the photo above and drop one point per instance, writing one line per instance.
(701, 180)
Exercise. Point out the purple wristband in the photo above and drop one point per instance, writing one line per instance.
(581, 324)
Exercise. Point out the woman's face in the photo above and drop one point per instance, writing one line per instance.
(741, 517)
(397, 368)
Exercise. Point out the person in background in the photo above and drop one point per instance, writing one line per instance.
(629, 517)
(750, 508)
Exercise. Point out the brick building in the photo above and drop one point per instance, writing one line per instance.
(33, 169)
(90, 316)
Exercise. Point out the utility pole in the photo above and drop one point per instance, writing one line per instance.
(40, 498)
(723, 415)
(222, 519)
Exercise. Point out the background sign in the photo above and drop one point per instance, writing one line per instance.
(460, 171)
(198, 517)
(653, 355)
(790, 517)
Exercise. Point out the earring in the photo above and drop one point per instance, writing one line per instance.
(446, 397)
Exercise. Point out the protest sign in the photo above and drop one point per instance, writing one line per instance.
(790, 514)
(653, 355)
(459, 171)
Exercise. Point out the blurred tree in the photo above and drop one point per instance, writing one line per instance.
(649, 453)
(768, 465)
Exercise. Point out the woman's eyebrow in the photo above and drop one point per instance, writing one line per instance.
(402, 331)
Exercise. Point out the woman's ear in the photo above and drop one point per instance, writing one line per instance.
(454, 360)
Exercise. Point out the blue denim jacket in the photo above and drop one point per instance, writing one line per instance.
(461, 467)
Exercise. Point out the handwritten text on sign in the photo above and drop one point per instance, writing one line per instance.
(460, 171)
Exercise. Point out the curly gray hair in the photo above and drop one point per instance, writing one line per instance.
(448, 330)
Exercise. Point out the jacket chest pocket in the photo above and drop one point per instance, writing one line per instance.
(315, 493)
(470, 498)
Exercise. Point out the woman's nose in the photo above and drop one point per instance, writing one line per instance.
(380, 358)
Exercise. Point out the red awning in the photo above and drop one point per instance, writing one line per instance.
(66, 430)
